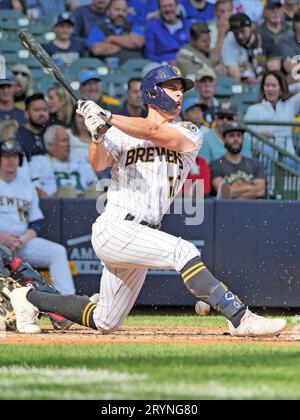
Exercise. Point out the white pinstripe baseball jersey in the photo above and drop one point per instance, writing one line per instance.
(145, 177)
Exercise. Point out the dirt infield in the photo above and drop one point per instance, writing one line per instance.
(143, 335)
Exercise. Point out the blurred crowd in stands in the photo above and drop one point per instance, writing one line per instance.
(248, 42)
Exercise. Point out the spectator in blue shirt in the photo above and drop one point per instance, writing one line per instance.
(141, 10)
(8, 111)
(199, 10)
(116, 37)
(65, 49)
(11, 4)
(88, 16)
(167, 34)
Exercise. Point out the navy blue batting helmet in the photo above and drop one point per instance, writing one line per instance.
(12, 146)
(153, 94)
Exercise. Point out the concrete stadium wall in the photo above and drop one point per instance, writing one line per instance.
(254, 247)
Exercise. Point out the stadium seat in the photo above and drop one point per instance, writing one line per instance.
(11, 58)
(225, 87)
(10, 26)
(39, 28)
(115, 86)
(10, 14)
(226, 81)
(9, 47)
(44, 84)
(89, 63)
(134, 67)
(242, 106)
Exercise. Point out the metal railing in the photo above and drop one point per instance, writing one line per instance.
(282, 168)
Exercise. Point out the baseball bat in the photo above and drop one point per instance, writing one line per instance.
(31, 44)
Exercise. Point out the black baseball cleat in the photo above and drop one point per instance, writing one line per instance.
(59, 323)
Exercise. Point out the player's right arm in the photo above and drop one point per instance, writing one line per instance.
(100, 157)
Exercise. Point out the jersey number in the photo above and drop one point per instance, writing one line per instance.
(174, 185)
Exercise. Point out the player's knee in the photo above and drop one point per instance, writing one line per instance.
(185, 252)
(106, 328)
(104, 324)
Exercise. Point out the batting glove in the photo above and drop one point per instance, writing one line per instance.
(90, 108)
(92, 123)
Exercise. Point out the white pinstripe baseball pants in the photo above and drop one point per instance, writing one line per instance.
(128, 249)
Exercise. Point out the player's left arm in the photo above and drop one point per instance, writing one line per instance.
(173, 138)
(163, 135)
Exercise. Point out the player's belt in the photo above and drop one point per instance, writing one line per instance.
(131, 218)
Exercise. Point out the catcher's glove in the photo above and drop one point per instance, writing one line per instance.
(7, 313)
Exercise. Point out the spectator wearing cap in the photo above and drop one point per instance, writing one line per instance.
(11, 4)
(133, 105)
(274, 25)
(192, 111)
(23, 78)
(86, 17)
(198, 53)
(8, 130)
(234, 176)
(290, 8)
(213, 147)
(91, 90)
(38, 8)
(199, 10)
(8, 111)
(65, 49)
(290, 46)
(30, 137)
(116, 36)
(206, 87)
(166, 34)
(246, 53)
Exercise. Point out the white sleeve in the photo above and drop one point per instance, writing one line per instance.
(42, 175)
(112, 142)
(35, 211)
(229, 53)
(251, 114)
(193, 133)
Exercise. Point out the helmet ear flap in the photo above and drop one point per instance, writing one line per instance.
(158, 97)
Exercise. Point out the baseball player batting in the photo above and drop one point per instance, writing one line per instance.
(150, 160)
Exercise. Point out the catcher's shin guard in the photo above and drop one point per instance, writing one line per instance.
(7, 313)
(23, 273)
